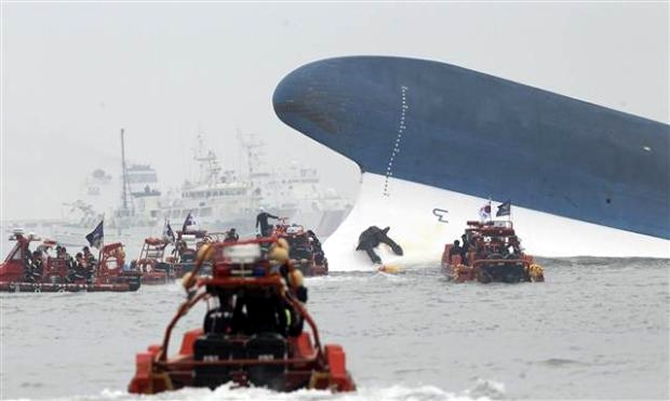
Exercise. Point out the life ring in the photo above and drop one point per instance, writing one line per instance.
(146, 265)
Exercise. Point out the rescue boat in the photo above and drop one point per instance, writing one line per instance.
(493, 254)
(21, 272)
(187, 244)
(152, 265)
(230, 347)
(305, 248)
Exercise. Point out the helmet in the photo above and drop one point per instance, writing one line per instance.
(261, 209)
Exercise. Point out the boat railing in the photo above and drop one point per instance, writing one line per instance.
(192, 281)
(518, 260)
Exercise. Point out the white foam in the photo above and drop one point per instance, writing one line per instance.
(226, 392)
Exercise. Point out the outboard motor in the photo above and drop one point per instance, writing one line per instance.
(267, 346)
(215, 347)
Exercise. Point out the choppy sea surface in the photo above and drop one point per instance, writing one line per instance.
(596, 329)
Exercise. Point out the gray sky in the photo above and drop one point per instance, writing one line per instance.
(74, 74)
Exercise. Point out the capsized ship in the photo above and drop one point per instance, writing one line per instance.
(434, 142)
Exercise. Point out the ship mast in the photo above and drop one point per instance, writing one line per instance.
(209, 165)
(124, 175)
(253, 147)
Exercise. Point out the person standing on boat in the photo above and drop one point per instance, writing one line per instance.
(464, 249)
(456, 250)
(262, 221)
(316, 247)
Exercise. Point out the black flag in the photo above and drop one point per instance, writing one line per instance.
(504, 209)
(168, 234)
(190, 221)
(96, 237)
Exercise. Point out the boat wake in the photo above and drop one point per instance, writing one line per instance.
(483, 390)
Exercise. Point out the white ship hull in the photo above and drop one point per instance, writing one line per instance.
(409, 211)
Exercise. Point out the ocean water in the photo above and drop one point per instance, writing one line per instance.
(596, 329)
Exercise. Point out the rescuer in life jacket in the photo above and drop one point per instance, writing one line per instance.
(294, 285)
(80, 267)
(456, 250)
(91, 264)
(371, 237)
(88, 256)
(34, 266)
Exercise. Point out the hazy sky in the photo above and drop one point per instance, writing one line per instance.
(74, 74)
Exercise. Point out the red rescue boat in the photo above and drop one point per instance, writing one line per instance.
(226, 349)
(152, 265)
(491, 253)
(186, 247)
(26, 271)
(305, 248)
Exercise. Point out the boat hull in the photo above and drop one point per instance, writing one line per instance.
(437, 216)
(18, 286)
(482, 137)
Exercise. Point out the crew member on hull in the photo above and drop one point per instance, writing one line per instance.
(371, 238)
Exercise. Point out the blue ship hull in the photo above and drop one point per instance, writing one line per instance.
(456, 129)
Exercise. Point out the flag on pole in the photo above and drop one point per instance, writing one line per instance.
(485, 212)
(96, 237)
(168, 234)
(190, 221)
(504, 209)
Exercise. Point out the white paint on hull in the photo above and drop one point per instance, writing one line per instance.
(408, 210)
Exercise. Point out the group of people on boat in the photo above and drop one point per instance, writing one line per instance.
(474, 243)
(80, 268)
(303, 244)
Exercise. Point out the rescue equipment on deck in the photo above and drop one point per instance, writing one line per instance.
(253, 331)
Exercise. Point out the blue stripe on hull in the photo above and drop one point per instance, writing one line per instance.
(457, 129)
